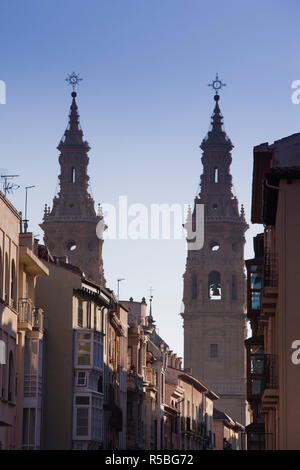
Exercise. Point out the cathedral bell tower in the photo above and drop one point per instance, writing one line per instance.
(70, 227)
(214, 280)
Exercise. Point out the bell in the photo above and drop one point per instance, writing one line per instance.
(216, 291)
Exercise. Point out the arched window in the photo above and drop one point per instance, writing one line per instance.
(216, 175)
(214, 286)
(73, 177)
(194, 287)
(6, 279)
(1, 274)
(11, 377)
(13, 285)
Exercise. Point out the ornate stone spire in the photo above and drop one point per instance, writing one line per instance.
(72, 228)
(73, 134)
(216, 135)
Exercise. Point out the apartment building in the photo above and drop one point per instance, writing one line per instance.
(276, 371)
(85, 400)
(21, 333)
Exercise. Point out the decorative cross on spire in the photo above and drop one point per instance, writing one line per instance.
(151, 298)
(217, 84)
(151, 292)
(73, 79)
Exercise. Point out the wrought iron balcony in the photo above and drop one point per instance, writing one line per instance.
(271, 371)
(263, 374)
(270, 269)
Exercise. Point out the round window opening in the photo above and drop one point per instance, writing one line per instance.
(214, 246)
(71, 246)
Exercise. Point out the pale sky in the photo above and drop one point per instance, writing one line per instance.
(145, 107)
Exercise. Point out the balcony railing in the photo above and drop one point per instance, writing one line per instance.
(271, 371)
(25, 311)
(37, 318)
(263, 373)
(259, 440)
(270, 270)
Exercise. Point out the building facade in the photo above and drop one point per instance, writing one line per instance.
(276, 169)
(85, 399)
(214, 281)
(21, 334)
(227, 432)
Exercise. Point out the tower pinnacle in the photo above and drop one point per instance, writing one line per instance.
(216, 136)
(73, 134)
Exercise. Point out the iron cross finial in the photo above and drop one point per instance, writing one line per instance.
(73, 79)
(217, 84)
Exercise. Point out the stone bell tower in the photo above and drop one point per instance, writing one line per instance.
(70, 227)
(214, 280)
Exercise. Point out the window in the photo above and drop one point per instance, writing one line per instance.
(194, 287)
(96, 419)
(13, 285)
(6, 278)
(255, 278)
(88, 314)
(2, 352)
(216, 175)
(214, 246)
(98, 353)
(28, 428)
(213, 350)
(82, 400)
(82, 421)
(11, 377)
(80, 313)
(71, 246)
(95, 317)
(73, 176)
(4, 379)
(81, 379)
(214, 286)
(84, 353)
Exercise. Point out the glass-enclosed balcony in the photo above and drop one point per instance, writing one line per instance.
(263, 373)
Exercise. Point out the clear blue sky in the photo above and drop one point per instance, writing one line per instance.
(145, 107)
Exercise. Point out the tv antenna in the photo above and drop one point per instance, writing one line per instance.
(8, 185)
(25, 221)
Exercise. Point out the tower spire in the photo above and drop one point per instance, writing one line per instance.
(73, 134)
(216, 135)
